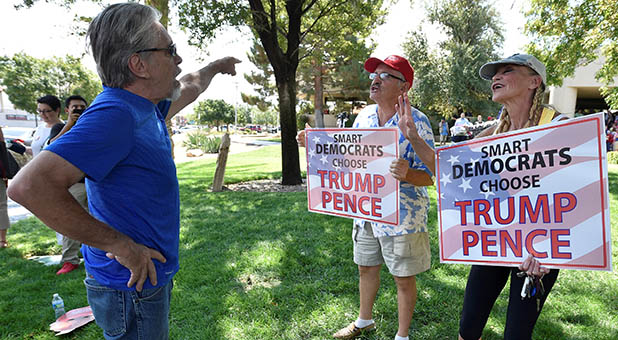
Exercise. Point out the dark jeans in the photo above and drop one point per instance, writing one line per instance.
(130, 314)
(484, 285)
(457, 139)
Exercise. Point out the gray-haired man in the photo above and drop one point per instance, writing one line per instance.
(122, 147)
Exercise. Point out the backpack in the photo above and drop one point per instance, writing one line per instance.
(9, 166)
(13, 165)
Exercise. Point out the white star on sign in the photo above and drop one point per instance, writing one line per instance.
(465, 185)
(473, 161)
(311, 153)
(316, 139)
(445, 179)
(487, 193)
(453, 159)
(324, 159)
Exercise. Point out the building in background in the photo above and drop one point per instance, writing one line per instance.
(9, 116)
(580, 94)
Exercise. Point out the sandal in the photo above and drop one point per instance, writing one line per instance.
(4, 244)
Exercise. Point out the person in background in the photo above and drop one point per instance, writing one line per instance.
(462, 120)
(403, 248)
(518, 82)
(48, 108)
(74, 106)
(443, 127)
(130, 241)
(5, 222)
(479, 119)
(611, 138)
(460, 131)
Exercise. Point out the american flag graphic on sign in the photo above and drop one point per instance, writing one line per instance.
(348, 173)
(540, 191)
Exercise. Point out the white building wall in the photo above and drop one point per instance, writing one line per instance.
(564, 98)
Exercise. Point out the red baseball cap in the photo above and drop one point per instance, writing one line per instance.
(396, 62)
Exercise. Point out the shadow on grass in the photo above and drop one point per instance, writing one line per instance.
(263, 273)
(260, 266)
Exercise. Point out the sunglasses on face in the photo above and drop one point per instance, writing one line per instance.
(171, 49)
(384, 76)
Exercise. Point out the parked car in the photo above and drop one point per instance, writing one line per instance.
(21, 134)
(252, 127)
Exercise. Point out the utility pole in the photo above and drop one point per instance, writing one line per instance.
(235, 105)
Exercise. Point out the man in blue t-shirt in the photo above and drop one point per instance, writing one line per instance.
(121, 146)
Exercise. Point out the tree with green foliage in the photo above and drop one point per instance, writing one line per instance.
(286, 30)
(213, 112)
(264, 117)
(336, 65)
(447, 80)
(26, 78)
(243, 114)
(262, 80)
(567, 34)
(344, 74)
(330, 53)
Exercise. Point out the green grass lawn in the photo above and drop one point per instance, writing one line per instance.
(259, 266)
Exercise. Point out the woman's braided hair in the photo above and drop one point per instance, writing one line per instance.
(534, 114)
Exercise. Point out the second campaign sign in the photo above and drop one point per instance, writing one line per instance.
(348, 173)
(540, 191)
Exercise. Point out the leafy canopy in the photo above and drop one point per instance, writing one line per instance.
(288, 30)
(26, 78)
(567, 34)
(214, 111)
(262, 80)
(447, 80)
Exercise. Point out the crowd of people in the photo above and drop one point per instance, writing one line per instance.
(611, 134)
(114, 192)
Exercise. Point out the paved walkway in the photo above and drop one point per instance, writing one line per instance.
(240, 143)
(17, 212)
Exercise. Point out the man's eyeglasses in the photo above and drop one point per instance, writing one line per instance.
(171, 49)
(384, 76)
(44, 111)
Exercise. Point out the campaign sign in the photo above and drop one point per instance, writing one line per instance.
(540, 191)
(348, 173)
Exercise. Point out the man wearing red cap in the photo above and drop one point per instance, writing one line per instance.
(404, 248)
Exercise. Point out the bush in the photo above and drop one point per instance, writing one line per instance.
(350, 120)
(301, 120)
(201, 140)
(612, 157)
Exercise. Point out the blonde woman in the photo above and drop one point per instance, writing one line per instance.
(518, 83)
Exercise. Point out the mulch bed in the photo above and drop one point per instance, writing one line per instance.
(266, 185)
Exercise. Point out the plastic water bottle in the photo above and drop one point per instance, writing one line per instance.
(58, 305)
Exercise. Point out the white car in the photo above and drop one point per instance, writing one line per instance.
(21, 134)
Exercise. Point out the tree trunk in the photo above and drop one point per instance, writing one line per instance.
(284, 66)
(318, 107)
(163, 7)
(289, 147)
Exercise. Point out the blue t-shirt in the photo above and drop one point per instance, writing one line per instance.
(413, 200)
(121, 144)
